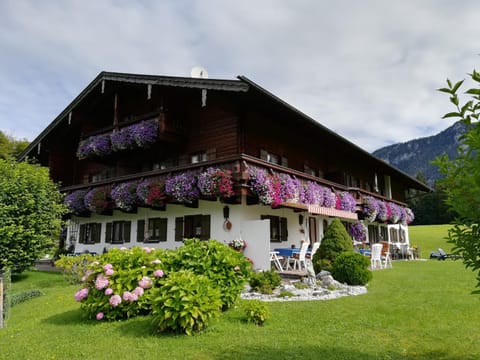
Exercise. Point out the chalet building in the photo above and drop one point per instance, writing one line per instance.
(150, 160)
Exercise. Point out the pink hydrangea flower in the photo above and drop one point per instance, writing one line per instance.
(138, 291)
(107, 267)
(115, 300)
(148, 250)
(81, 294)
(108, 291)
(145, 283)
(156, 261)
(158, 273)
(128, 296)
(109, 272)
(101, 282)
(99, 316)
(123, 248)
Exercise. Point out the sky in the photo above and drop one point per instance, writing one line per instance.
(368, 70)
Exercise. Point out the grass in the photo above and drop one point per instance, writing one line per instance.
(429, 238)
(417, 310)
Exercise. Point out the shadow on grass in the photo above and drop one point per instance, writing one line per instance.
(67, 318)
(139, 327)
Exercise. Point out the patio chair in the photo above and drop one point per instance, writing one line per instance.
(376, 256)
(276, 260)
(387, 260)
(299, 259)
(315, 247)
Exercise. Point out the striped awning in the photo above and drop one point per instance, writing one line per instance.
(320, 210)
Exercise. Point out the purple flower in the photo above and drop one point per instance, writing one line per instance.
(108, 291)
(122, 139)
(370, 208)
(289, 188)
(358, 231)
(395, 213)
(138, 291)
(115, 300)
(409, 215)
(81, 294)
(158, 273)
(101, 282)
(260, 183)
(182, 187)
(329, 198)
(125, 195)
(97, 199)
(99, 145)
(145, 132)
(75, 202)
(145, 283)
(99, 316)
(382, 215)
(346, 201)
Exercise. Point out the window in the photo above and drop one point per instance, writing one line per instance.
(156, 230)
(118, 232)
(199, 157)
(272, 158)
(192, 226)
(308, 170)
(278, 228)
(90, 233)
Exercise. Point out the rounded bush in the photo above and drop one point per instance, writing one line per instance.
(335, 241)
(185, 303)
(265, 281)
(351, 268)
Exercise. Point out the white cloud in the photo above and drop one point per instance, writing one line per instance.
(367, 70)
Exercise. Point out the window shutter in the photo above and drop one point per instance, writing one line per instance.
(283, 229)
(127, 226)
(205, 227)
(97, 232)
(179, 229)
(188, 227)
(140, 230)
(163, 229)
(81, 238)
(108, 233)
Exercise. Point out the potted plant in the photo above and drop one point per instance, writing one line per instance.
(215, 182)
(98, 200)
(182, 187)
(75, 202)
(125, 196)
(152, 193)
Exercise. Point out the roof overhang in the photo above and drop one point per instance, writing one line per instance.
(320, 210)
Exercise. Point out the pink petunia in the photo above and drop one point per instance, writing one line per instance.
(101, 282)
(99, 316)
(81, 294)
(138, 291)
(158, 273)
(145, 283)
(115, 300)
(108, 291)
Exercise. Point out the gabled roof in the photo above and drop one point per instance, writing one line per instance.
(242, 85)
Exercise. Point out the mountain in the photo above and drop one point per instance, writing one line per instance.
(414, 156)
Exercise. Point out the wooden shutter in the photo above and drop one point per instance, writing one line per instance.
(96, 232)
(163, 229)
(283, 229)
(81, 238)
(179, 229)
(140, 230)
(108, 233)
(127, 227)
(205, 227)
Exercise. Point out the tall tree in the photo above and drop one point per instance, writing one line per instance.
(462, 176)
(30, 213)
(11, 147)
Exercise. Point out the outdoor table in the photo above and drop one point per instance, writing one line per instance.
(287, 254)
(365, 252)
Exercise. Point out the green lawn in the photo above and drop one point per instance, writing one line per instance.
(429, 238)
(417, 310)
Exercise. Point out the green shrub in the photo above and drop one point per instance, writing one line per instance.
(335, 241)
(285, 293)
(74, 267)
(300, 285)
(352, 268)
(265, 281)
(117, 285)
(24, 296)
(185, 303)
(256, 311)
(227, 268)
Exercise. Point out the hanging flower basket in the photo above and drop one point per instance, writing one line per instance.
(99, 145)
(75, 202)
(98, 200)
(215, 182)
(125, 196)
(152, 193)
(345, 201)
(182, 187)
(358, 231)
(238, 244)
(370, 208)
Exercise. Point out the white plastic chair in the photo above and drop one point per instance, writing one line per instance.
(300, 258)
(376, 256)
(276, 260)
(315, 247)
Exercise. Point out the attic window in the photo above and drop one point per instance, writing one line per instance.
(198, 157)
(269, 157)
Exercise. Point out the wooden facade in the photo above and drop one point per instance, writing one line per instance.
(232, 124)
